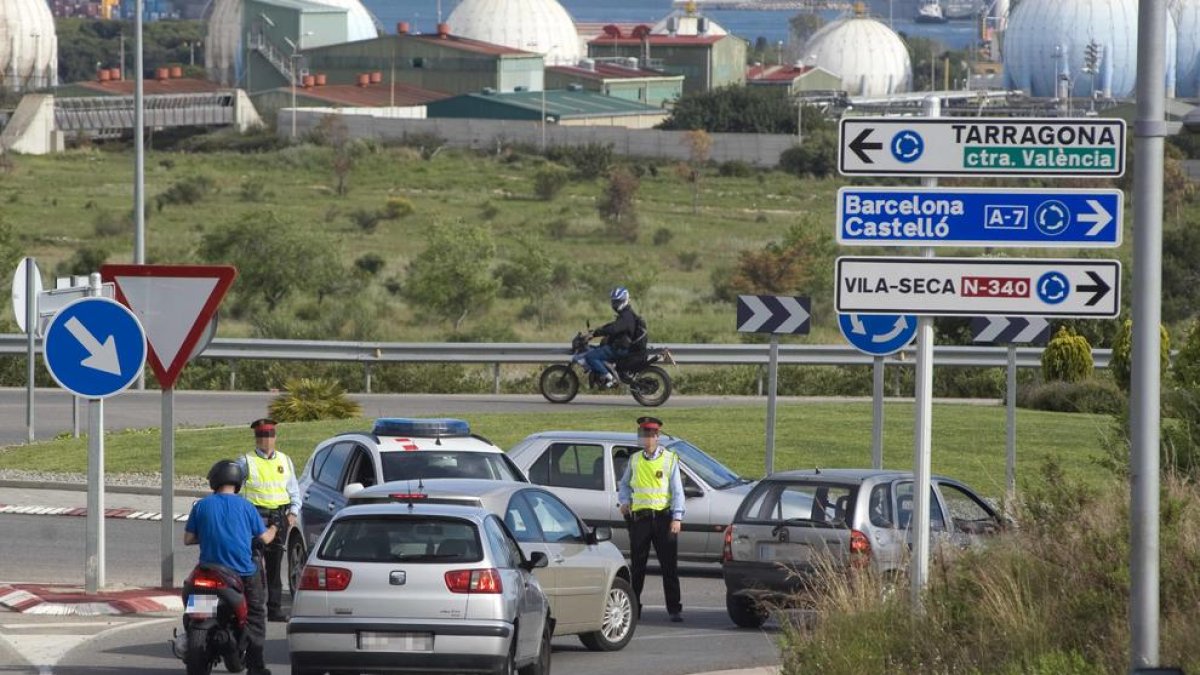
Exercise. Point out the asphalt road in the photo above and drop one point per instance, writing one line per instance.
(51, 549)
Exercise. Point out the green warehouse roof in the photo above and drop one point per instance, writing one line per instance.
(560, 103)
(306, 6)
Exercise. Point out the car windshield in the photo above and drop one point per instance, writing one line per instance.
(402, 539)
(447, 464)
(712, 472)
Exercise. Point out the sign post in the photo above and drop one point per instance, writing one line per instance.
(1010, 331)
(26, 288)
(877, 335)
(177, 304)
(95, 348)
(786, 315)
(877, 371)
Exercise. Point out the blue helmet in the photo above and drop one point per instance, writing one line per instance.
(619, 298)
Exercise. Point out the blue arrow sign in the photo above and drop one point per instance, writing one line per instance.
(95, 347)
(1026, 218)
(878, 334)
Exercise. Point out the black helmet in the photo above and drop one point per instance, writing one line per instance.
(226, 472)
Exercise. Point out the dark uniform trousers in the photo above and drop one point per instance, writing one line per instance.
(256, 619)
(274, 555)
(654, 527)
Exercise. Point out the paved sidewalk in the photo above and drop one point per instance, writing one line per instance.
(74, 601)
(764, 670)
(60, 502)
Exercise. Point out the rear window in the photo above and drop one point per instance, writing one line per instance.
(799, 503)
(448, 464)
(401, 539)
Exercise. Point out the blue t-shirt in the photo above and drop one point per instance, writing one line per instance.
(226, 525)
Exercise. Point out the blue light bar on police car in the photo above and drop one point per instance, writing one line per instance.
(418, 427)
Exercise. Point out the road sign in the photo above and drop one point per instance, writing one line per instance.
(981, 146)
(979, 286)
(878, 334)
(1009, 330)
(95, 347)
(783, 314)
(1029, 218)
(20, 293)
(175, 303)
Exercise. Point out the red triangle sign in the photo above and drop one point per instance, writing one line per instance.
(174, 303)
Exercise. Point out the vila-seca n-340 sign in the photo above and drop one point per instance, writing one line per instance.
(978, 146)
(979, 286)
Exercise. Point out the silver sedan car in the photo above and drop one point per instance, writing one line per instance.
(414, 587)
(583, 468)
(587, 580)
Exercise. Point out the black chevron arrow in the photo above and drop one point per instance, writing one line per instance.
(1098, 288)
(859, 144)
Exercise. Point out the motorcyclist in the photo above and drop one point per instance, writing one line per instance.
(225, 526)
(623, 336)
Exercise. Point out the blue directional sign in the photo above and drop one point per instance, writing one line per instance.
(1028, 218)
(878, 334)
(95, 347)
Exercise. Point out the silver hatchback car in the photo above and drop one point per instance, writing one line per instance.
(583, 467)
(795, 521)
(412, 587)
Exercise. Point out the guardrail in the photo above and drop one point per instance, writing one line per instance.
(532, 353)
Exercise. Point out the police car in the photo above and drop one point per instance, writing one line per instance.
(396, 449)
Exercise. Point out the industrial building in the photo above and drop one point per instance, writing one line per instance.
(619, 77)
(315, 92)
(869, 57)
(682, 44)
(28, 46)
(792, 80)
(571, 107)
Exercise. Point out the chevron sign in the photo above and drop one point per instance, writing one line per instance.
(1010, 330)
(773, 314)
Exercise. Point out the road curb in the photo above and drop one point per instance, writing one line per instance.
(78, 511)
(82, 487)
(760, 670)
(72, 601)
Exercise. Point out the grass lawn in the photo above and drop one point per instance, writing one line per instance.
(968, 440)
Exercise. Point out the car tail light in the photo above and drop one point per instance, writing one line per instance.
(860, 549)
(407, 496)
(727, 551)
(205, 579)
(474, 581)
(315, 578)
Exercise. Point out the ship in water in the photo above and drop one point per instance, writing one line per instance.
(930, 11)
(961, 10)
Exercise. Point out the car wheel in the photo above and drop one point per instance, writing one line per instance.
(618, 622)
(510, 662)
(542, 665)
(746, 612)
(296, 555)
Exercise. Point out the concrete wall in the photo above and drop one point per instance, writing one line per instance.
(31, 128)
(758, 149)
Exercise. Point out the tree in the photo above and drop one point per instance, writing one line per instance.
(452, 278)
(803, 25)
(533, 275)
(273, 260)
(792, 265)
(739, 109)
(1181, 273)
(617, 205)
(699, 146)
(332, 131)
(82, 43)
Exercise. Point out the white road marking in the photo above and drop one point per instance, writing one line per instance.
(44, 651)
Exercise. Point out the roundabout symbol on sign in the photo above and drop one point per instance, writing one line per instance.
(907, 146)
(1052, 217)
(1053, 288)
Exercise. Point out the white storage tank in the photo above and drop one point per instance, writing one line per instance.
(870, 58)
(539, 26)
(28, 46)
(1186, 14)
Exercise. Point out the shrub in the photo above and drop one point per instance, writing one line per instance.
(366, 219)
(688, 260)
(254, 140)
(1092, 395)
(311, 399)
(557, 229)
(187, 191)
(253, 189)
(1187, 363)
(370, 263)
(549, 181)
(1068, 357)
(109, 224)
(589, 161)
(397, 208)
(489, 211)
(617, 205)
(817, 157)
(735, 168)
(439, 282)
(1122, 354)
(86, 259)
(662, 236)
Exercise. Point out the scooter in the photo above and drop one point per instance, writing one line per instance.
(649, 384)
(214, 619)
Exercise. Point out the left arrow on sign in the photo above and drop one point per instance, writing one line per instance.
(1098, 288)
(102, 357)
(860, 144)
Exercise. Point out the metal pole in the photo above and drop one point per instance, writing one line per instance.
(923, 433)
(496, 379)
(1149, 130)
(543, 116)
(31, 300)
(367, 378)
(799, 122)
(877, 413)
(1010, 438)
(93, 574)
(166, 544)
(772, 386)
(75, 416)
(139, 151)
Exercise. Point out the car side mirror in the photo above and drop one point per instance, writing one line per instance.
(352, 489)
(692, 491)
(600, 533)
(536, 560)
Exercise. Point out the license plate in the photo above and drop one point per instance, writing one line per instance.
(201, 604)
(784, 552)
(395, 642)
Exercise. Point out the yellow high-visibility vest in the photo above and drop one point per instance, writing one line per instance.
(267, 480)
(650, 481)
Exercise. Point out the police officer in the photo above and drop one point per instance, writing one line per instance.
(651, 499)
(272, 488)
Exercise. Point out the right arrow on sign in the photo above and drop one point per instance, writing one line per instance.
(1099, 218)
(900, 326)
(102, 357)
(859, 145)
(1098, 288)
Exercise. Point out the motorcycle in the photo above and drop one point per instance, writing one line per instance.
(214, 619)
(649, 384)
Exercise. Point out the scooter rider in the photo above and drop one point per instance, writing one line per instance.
(225, 525)
(624, 335)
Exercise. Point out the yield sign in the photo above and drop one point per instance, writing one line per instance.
(175, 303)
